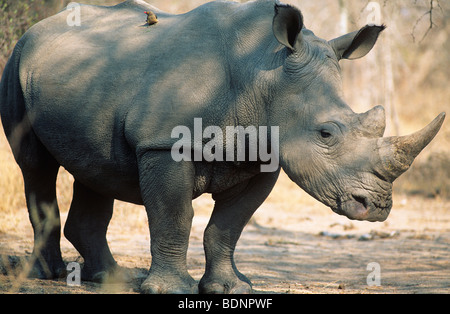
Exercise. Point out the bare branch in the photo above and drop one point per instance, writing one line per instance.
(430, 15)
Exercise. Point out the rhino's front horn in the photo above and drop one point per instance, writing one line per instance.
(398, 152)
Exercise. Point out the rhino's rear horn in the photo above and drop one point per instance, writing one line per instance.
(373, 122)
(398, 152)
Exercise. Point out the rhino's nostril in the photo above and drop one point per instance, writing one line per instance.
(361, 200)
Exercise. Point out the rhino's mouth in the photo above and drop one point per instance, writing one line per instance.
(360, 207)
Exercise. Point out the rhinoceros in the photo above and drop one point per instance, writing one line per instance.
(102, 98)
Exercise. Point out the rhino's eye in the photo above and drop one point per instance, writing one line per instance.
(328, 134)
(325, 134)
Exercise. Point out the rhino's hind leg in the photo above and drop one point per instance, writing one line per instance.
(86, 228)
(231, 213)
(39, 171)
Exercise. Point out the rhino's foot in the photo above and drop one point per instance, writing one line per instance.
(47, 269)
(115, 274)
(169, 284)
(225, 285)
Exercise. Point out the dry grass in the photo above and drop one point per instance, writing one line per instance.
(11, 184)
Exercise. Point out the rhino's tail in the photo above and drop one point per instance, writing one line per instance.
(12, 103)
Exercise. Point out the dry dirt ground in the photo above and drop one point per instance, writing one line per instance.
(292, 245)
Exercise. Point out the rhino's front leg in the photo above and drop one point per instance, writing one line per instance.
(166, 188)
(232, 211)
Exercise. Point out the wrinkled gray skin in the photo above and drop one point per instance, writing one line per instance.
(101, 101)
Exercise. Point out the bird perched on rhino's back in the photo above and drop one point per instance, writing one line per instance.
(151, 18)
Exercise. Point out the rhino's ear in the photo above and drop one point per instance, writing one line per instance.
(287, 25)
(357, 44)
